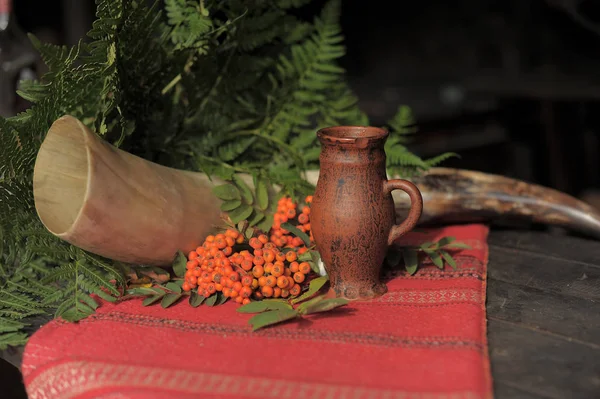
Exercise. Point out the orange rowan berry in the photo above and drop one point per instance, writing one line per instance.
(277, 269)
(220, 243)
(291, 282)
(240, 239)
(299, 277)
(308, 199)
(269, 255)
(302, 250)
(192, 255)
(226, 291)
(233, 293)
(280, 256)
(259, 260)
(211, 288)
(271, 281)
(232, 233)
(291, 256)
(268, 268)
(269, 245)
(237, 286)
(303, 218)
(197, 272)
(304, 268)
(294, 267)
(297, 242)
(246, 301)
(258, 295)
(227, 251)
(258, 271)
(230, 241)
(262, 281)
(285, 293)
(209, 238)
(282, 282)
(287, 272)
(228, 283)
(276, 292)
(186, 286)
(227, 270)
(247, 280)
(239, 300)
(192, 280)
(191, 264)
(247, 264)
(245, 292)
(219, 287)
(234, 276)
(255, 243)
(263, 238)
(295, 290)
(206, 277)
(306, 210)
(214, 251)
(254, 284)
(307, 227)
(267, 291)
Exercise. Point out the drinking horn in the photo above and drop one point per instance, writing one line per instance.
(120, 206)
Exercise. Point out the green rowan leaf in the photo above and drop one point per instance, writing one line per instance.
(448, 258)
(172, 286)
(313, 287)
(271, 317)
(256, 218)
(245, 190)
(262, 194)
(230, 205)
(226, 192)
(240, 213)
(195, 300)
(296, 232)
(212, 300)
(411, 261)
(264, 305)
(436, 258)
(322, 305)
(152, 299)
(169, 299)
(445, 241)
(179, 264)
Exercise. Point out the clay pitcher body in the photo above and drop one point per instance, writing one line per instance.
(352, 214)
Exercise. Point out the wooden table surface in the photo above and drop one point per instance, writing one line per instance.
(543, 302)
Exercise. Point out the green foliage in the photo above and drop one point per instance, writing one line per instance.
(438, 252)
(400, 160)
(222, 87)
(275, 311)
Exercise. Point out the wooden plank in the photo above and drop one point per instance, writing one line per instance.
(508, 390)
(542, 365)
(574, 249)
(569, 317)
(545, 273)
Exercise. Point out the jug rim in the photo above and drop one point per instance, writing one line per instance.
(351, 134)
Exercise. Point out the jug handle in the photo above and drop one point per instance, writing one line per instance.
(416, 207)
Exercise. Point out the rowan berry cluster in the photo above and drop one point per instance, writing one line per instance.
(258, 267)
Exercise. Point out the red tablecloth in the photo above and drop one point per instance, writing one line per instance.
(426, 338)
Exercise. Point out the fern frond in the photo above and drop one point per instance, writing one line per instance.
(431, 162)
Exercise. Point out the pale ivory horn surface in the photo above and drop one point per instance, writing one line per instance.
(117, 205)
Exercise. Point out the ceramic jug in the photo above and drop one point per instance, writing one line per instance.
(352, 214)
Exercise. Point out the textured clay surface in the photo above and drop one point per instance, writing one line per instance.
(352, 214)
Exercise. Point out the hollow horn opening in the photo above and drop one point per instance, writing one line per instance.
(60, 177)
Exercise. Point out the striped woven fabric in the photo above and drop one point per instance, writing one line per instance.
(426, 338)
